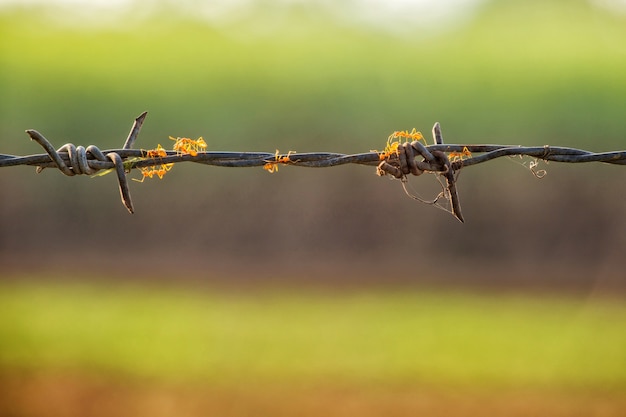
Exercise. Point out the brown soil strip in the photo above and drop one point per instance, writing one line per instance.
(71, 395)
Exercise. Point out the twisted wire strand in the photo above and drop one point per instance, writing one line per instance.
(76, 160)
(317, 159)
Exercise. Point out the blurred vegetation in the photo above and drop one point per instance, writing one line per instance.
(546, 72)
(517, 73)
(384, 337)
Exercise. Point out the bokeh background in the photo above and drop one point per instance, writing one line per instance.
(313, 291)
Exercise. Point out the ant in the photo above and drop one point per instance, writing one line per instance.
(272, 166)
(393, 142)
(158, 170)
(459, 156)
(189, 146)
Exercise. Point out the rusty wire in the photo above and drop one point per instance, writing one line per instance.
(77, 160)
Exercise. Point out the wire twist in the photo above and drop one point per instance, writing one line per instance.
(80, 163)
(78, 160)
(403, 163)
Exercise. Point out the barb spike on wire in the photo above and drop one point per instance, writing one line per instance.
(444, 160)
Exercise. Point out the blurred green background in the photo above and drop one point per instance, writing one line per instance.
(232, 269)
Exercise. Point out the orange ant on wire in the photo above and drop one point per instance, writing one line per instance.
(159, 152)
(149, 172)
(390, 149)
(272, 166)
(394, 141)
(459, 156)
(189, 146)
(158, 170)
(404, 134)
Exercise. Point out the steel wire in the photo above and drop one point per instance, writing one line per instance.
(76, 160)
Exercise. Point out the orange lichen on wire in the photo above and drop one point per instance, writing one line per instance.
(395, 140)
(459, 156)
(272, 165)
(156, 170)
(189, 146)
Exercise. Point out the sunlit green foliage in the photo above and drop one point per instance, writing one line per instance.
(385, 337)
(547, 73)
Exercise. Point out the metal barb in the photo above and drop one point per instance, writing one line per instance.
(134, 131)
(403, 163)
(437, 136)
(448, 174)
(121, 176)
(40, 139)
(80, 164)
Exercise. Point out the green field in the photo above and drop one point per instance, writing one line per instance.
(430, 337)
(514, 73)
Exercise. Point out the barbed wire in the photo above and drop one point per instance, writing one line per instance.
(443, 160)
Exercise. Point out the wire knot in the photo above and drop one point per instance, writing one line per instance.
(80, 158)
(404, 162)
(82, 161)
